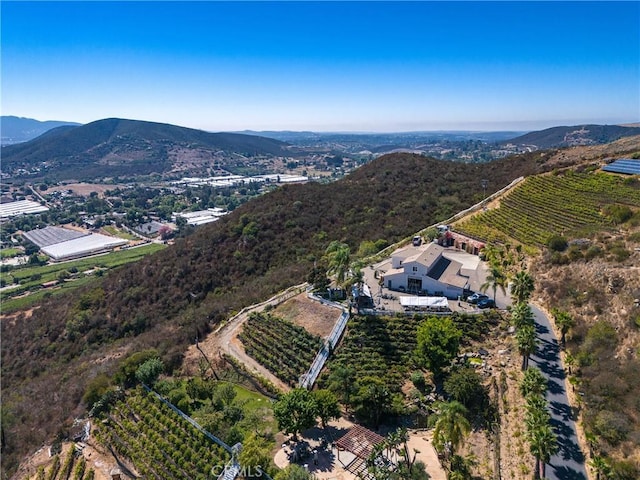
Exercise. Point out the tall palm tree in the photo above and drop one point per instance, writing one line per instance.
(451, 427)
(533, 383)
(522, 286)
(339, 257)
(543, 444)
(527, 342)
(496, 279)
(521, 314)
(601, 467)
(564, 322)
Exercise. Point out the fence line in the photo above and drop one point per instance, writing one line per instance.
(308, 379)
(232, 469)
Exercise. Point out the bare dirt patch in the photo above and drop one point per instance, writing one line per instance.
(315, 317)
(83, 189)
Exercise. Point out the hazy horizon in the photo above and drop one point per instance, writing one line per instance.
(343, 67)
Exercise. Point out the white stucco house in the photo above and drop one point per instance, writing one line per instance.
(429, 270)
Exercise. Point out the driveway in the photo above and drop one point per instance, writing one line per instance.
(568, 463)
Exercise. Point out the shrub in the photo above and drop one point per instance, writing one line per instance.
(611, 426)
(593, 252)
(417, 378)
(557, 243)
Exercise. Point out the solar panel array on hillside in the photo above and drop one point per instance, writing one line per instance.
(43, 237)
(624, 165)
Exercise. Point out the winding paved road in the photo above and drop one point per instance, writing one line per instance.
(568, 463)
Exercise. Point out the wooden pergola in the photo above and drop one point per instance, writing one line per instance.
(360, 442)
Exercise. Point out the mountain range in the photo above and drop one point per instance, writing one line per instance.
(113, 147)
(20, 129)
(575, 136)
(128, 148)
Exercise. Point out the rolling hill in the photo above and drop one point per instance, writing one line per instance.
(50, 353)
(117, 147)
(19, 129)
(574, 136)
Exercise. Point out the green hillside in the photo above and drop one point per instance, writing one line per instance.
(113, 147)
(568, 203)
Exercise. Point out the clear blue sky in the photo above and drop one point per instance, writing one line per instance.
(324, 66)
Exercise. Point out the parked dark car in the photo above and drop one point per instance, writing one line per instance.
(486, 303)
(476, 297)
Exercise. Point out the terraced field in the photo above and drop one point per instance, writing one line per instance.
(569, 204)
(285, 349)
(157, 441)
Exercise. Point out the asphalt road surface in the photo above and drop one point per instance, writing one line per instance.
(568, 463)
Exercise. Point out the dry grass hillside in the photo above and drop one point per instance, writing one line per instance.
(603, 349)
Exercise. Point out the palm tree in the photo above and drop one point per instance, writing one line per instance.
(543, 444)
(564, 322)
(522, 286)
(521, 314)
(527, 342)
(495, 279)
(339, 256)
(451, 427)
(601, 467)
(533, 383)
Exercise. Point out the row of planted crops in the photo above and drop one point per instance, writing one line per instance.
(285, 349)
(383, 346)
(72, 467)
(157, 441)
(569, 204)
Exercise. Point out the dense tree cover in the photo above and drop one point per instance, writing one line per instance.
(438, 342)
(296, 411)
(166, 299)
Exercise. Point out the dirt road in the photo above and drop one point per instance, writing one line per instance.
(224, 340)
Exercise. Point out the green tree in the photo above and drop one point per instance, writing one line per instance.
(373, 399)
(96, 388)
(465, 386)
(342, 380)
(339, 257)
(149, 371)
(296, 411)
(293, 472)
(533, 383)
(601, 467)
(328, 406)
(527, 342)
(522, 286)
(254, 456)
(543, 444)
(438, 342)
(521, 314)
(564, 321)
(126, 374)
(451, 427)
(494, 280)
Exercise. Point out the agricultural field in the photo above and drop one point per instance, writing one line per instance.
(157, 441)
(570, 204)
(285, 349)
(65, 466)
(29, 279)
(383, 347)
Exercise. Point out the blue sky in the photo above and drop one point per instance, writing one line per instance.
(324, 66)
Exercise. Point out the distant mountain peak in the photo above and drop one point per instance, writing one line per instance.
(21, 129)
(577, 135)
